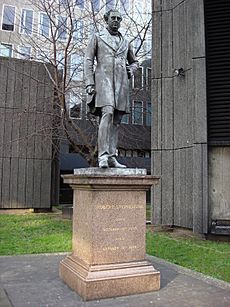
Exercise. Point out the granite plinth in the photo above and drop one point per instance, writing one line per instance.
(108, 256)
(110, 171)
(103, 281)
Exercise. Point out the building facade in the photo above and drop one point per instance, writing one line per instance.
(191, 138)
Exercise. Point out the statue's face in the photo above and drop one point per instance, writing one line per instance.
(114, 21)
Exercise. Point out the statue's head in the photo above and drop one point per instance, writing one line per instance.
(113, 19)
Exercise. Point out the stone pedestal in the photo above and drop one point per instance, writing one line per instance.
(109, 227)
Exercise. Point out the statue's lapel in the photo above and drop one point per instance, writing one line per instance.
(122, 45)
(107, 39)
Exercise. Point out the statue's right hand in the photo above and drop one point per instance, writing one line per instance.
(90, 89)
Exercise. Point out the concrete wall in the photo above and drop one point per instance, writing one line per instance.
(179, 130)
(26, 133)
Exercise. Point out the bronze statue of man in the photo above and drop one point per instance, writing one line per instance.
(107, 84)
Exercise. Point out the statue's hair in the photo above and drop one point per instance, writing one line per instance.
(106, 15)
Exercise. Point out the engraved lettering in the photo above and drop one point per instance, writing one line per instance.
(122, 248)
(117, 207)
(120, 239)
(111, 248)
(120, 219)
(133, 247)
(114, 229)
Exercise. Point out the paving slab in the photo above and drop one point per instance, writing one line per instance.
(32, 280)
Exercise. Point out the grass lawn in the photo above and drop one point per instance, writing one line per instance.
(208, 257)
(32, 233)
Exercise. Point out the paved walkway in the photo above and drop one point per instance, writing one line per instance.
(32, 280)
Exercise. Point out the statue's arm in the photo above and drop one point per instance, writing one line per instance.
(133, 63)
(89, 62)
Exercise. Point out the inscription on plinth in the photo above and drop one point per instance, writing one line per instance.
(109, 237)
(115, 230)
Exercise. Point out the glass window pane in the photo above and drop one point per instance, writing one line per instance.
(78, 30)
(60, 58)
(6, 50)
(109, 4)
(75, 106)
(26, 21)
(137, 82)
(96, 5)
(24, 52)
(44, 28)
(125, 119)
(43, 55)
(8, 18)
(149, 114)
(137, 112)
(64, 2)
(148, 77)
(138, 8)
(124, 6)
(76, 67)
(62, 28)
(80, 3)
(137, 43)
(149, 45)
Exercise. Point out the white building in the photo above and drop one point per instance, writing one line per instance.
(25, 27)
(40, 30)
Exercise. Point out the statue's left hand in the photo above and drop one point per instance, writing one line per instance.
(90, 90)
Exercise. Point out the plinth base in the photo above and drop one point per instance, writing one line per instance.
(109, 226)
(110, 280)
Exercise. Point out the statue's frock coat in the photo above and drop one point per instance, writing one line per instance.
(110, 75)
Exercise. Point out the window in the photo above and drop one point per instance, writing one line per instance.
(6, 50)
(60, 59)
(62, 28)
(148, 114)
(138, 78)
(140, 154)
(149, 7)
(80, 3)
(76, 67)
(43, 55)
(138, 8)
(8, 18)
(44, 25)
(149, 46)
(26, 25)
(109, 4)
(121, 152)
(125, 119)
(148, 78)
(63, 2)
(128, 153)
(75, 106)
(137, 43)
(96, 5)
(24, 52)
(78, 30)
(134, 153)
(124, 6)
(138, 112)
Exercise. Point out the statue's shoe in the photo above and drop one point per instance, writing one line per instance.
(114, 163)
(103, 163)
